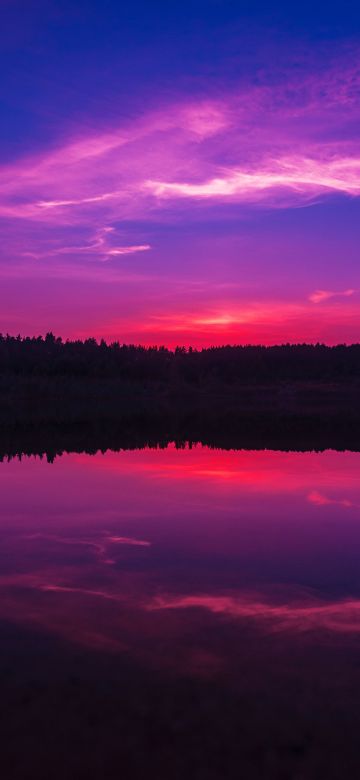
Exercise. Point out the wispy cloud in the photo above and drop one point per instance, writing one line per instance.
(303, 177)
(239, 148)
(100, 246)
(319, 296)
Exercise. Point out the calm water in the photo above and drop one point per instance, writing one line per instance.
(176, 613)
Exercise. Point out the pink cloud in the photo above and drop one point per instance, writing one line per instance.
(303, 177)
(324, 295)
(99, 246)
(183, 150)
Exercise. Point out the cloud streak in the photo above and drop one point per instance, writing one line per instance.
(100, 246)
(303, 177)
(239, 148)
(319, 296)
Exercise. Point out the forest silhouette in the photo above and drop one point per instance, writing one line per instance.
(85, 396)
(51, 356)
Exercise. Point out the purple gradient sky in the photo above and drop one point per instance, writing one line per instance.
(183, 175)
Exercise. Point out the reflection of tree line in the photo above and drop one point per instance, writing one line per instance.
(157, 431)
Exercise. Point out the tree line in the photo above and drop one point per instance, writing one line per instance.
(50, 356)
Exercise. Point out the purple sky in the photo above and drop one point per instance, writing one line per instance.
(180, 177)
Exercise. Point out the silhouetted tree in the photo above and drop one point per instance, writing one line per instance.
(50, 356)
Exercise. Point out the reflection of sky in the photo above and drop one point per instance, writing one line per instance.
(128, 550)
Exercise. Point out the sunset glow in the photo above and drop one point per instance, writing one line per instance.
(223, 209)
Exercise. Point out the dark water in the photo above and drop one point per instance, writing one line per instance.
(180, 613)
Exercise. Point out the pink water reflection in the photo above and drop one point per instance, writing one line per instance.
(181, 558)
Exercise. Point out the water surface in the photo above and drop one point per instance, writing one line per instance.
(181, 611)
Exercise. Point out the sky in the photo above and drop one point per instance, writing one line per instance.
(180, 172)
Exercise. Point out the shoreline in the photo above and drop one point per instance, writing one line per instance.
(41, 415)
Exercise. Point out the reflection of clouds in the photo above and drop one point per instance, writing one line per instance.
(271, 473)
(291, 611)
(320, 500)
(180, 605)
(119, 610)
(339, 616)
(98, 594)
(128, 540)
(101, 546)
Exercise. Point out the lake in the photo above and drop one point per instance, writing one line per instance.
(178, 613)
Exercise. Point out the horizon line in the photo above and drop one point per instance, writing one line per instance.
(182, 347)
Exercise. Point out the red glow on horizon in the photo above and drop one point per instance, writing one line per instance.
(268, 325)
